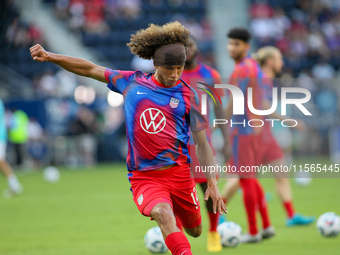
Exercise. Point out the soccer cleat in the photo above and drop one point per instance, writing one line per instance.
(299, 220)
(248, 238)
(268, 232)
(214, 242)
(16, 189)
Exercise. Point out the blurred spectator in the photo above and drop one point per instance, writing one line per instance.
(48, 84)
(144, 65)
(35, 131)
(76, 9)
(305, 81)
(19, 34)
(130, 9)
(305, 32)
(85, 15)
(84, 127)
(36, 145)
(94, 17)
(18, 134)
(281, 23)
(61, 8)
(67, 83)
(323, 70)
(260, 8)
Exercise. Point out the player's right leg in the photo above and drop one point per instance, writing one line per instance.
(245, 156)
(284, 191)
(282, 140)
(250, 200)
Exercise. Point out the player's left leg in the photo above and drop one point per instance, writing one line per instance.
(250, 198)
(230, 189)
(187, 209)
(13, 183)
(214, 239)
(284, 191)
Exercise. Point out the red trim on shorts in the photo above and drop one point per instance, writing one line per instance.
(161, 173)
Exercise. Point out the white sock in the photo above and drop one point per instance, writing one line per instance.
(14, 184)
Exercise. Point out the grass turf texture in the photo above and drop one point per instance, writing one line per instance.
(92, 212)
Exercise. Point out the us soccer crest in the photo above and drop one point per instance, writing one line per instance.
(174, 102)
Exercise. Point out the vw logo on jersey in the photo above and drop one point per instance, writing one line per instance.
(152, 121)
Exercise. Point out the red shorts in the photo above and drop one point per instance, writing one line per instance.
(199, 176)
(173, 186)
(250, 151)
(269, 149)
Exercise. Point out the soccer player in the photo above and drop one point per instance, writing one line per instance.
(158, 111)
(14, 186)
(203, 73)
(270, 60)
(246, 140)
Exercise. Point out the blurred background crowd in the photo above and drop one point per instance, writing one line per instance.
(73, 123)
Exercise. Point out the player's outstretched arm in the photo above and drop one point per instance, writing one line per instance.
(78, 66)
(206, 159)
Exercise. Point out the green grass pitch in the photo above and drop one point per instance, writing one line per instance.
(92, 212)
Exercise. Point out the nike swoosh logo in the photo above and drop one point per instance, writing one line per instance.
(141, 93)
(183, 252)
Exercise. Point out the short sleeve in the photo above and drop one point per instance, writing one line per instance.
(118, 80)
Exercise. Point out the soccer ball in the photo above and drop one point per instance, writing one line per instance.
(51, 174)
(303, 178)
(154, 241)
(230, 233)
(328, 224)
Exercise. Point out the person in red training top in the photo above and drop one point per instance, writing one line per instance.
(158, 111)
(198, 72)
(270, 60)
(246, 140)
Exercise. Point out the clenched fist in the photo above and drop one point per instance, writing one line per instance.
(38, 53)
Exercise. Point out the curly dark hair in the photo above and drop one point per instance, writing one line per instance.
(145, 41)
(239, 33)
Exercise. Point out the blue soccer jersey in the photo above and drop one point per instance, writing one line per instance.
(248, 74)
(157, 119)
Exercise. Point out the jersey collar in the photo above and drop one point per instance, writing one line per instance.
(161, 84)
